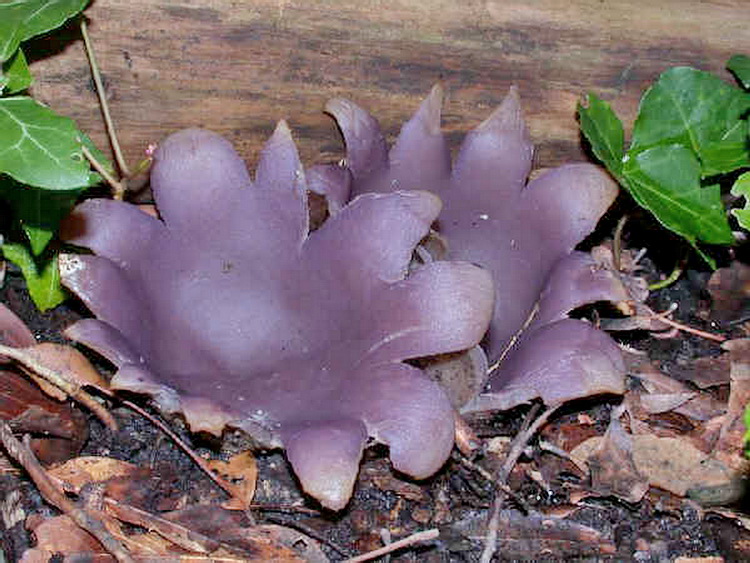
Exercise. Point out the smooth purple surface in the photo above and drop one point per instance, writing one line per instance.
(518, 231)
(230, 312)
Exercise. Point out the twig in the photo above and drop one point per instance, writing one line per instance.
(23, 455)
(117, 186)
(230, 488)
(516, 449)
(72, 389)
(489, 478)
(664, 318)
(309, 531)
(617, 243)
(122, 165)
(426, 535)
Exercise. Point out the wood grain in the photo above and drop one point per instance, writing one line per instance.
(237, 67)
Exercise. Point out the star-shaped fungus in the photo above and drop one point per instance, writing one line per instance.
(524, 233)
(228, 310)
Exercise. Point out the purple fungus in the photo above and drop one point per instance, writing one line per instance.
(523, 233)
(229, 311)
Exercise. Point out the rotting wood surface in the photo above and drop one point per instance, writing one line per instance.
(238, 67)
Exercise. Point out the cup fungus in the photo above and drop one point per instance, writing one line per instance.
(228, 310)
(523, 234)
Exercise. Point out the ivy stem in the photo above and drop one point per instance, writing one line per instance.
(122, 165)
(117, 186)
(617, 243)
(673, 277)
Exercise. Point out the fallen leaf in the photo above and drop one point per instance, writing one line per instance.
(613, 470)
(79, 472)
(730, 292)
(241, 469)
(13, 331)
(60, 430)
(59, 535)
(672, 464)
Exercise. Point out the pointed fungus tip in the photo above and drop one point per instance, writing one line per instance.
(282, 130)
(507, 116)
(430, 111)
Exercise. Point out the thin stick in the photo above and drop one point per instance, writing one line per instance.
(122, 165)
(72, 389)
(425, 535)
(490, 540)
(199, 461)
(22, 453)
(663, 317)
(488, 477)
(617, 243)
(117, 186)
(308, 531)
(691, 330)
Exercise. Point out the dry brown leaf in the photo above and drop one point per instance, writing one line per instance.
(672, 464)
(59, 535)
(65, 360)
(266, 543)
(13, 331)
(86, 470)
(709, 371)
(27, 409)
(613, 470)
(664, 393)
(730, 292)
(242, 470)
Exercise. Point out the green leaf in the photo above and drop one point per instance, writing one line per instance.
(739, 65)
(688, 107)
(11, 33)
(43, 283)
(23, 19)
(666, 181)
(604, 132)
(40, 148)
(741, 188)
(39, 211)
(16, 73)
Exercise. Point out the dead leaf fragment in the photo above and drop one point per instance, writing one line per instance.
(241, 469)
(672, 464)
(730, 292)
(613, 470)
(60, 430)
(13, 331)
(87, 470)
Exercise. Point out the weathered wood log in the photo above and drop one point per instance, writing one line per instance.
(238, 67)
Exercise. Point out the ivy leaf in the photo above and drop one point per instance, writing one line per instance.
(603, 130)
(665, 179)
(23, 19)
(728, 154)
(15, 74)
(739, 65)
(692, 108)
(40, 148)
(39, 211)
(43, 283)
(741, 188)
